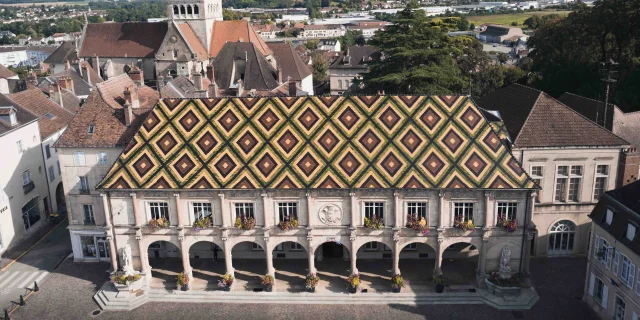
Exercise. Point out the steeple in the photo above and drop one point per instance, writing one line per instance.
(199, 14)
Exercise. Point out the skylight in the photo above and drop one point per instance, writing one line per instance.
(91, 129)
(49, 116)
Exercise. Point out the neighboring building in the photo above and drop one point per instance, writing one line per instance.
(24, 202)
(266, 31)
(13, 56)
(57, 60)
(6, 77)
(332, 45)
(321, 31)
(353, 62)
(94, 139)
(570, 157)
(293, 18)
(612, 284)
(183, 87)
(499, 34)
(7, 34)
(37, 54)
(624, 124)
(291, 67)
(367, 27)
(53, 120)
(83, 80)
(272, 167)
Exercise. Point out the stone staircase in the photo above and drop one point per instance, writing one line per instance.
(108, 298)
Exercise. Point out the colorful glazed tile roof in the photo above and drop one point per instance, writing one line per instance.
(316, 142)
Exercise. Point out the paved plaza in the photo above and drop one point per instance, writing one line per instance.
(68, 294)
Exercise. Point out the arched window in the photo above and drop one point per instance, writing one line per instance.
(196, 10)
(176, 10)
(339, 84)
(189, 10)
(561, 237)
(182, 11)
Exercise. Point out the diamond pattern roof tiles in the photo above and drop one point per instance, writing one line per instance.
(317, 142)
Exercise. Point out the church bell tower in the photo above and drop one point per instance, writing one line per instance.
(199, 14)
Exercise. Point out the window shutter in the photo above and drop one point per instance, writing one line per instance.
(609, 254)
(632, 274)
(638, 282)
(592, 281)
(616, 263)
(605, 296)
(596, 247)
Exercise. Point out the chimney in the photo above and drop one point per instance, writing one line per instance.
(279, 75)
(67, 83)
(197, 81)
(213, 90)
(55, 94)
(131, 97)
(210, 74)
(67, 65)
(84, 70)
(160, 82)
(95, 64)
(32, 81)
(292, 88)
(240, 88)
(128, 114)
(137, 76)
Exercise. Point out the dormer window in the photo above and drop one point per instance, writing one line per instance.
(91, 129)
(631, 231)
(8, 114)
(12, 118)
(609, 217)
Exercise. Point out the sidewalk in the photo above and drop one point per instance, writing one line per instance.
(15, 252)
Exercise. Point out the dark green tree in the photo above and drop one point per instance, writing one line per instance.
(319, 67)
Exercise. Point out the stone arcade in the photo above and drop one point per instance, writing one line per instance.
(329, 162)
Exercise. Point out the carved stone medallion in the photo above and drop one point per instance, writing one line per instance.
(330, 214)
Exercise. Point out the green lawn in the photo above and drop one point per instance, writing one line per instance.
(507, 19)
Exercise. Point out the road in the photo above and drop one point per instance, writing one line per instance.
(36, 265)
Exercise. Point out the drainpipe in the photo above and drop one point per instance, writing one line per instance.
(524, 233)
(46, 176)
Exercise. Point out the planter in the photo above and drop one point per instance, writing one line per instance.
(184, 287)
(353, 289)
(439, 288)
(268, 288)
(502, 291)
(131, 287)
(395, 290)
(311, 289)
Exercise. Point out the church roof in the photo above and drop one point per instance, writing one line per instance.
(118, 40)
(235, 31)
(316, 142)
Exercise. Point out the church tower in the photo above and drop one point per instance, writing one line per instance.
(199, 14)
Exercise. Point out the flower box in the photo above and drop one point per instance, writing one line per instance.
(463, 225)
(419, 225)
(289, 222)
(202, 223)
(159, 223)
(375, 223)
(246, 223)
(131, 287)
(127, 282)
(509, 225)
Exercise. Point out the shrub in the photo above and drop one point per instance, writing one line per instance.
(123, 278)
(183, 279)
(397, 281)
(227, 281)
(267, 280)
(373, 223)
(312, 281)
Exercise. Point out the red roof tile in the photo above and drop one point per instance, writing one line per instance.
(52, 116)
(235, 31)
(131, 39)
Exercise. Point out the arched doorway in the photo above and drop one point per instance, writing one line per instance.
(249, 263)
(291, 261)
(459, 263)
(561, 237)
(417, 261)
(207, 262)
(375, 265)
(333, 265)
(165, 262)
(60, 200)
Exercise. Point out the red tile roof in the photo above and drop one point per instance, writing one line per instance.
(5, 73)
(235, 31)
(40, 105)
(131, 39)
(112, 91)
(192, 40)
(289, 61)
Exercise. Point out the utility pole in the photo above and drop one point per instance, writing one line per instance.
(610, 72)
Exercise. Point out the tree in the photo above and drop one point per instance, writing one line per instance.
(418, 59)
(312, 44)
(502, 57)
(319, 67)
(230, 15)
(349, 38)
(472, 26)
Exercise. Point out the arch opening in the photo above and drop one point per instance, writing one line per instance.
(250, 263)
(165, 261)
(416, 263)
(333, 265)
(207, 263)
(459, 263)
(290, 260)
(561, 238)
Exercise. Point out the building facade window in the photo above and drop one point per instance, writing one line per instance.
(159, 210)
(631, 232)
(255, 247)
(244, 209)
(84, 184)
(372, 209)
(598, 290)
(26, 177)
(536, 175)
(20, 146)
(371, 246)
(575, 180)
(600, 184)
(620, 309)
(463, 211)
(103, 159)
(410, 247)
(294, 246)
(287, 210)
(201, 210)
(31, 213)
(52, 174)
(625, 269)
(47, 150)
(417, 210)
(506, 211)
(94, 247)
(609, 217)
(87, 213)
(78, 158)
(602, 251)
(561, 238)
(568, 180)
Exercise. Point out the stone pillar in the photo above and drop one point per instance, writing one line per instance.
(265, 216)
(309, 205)
(312, 260)
(137, 213)
(529, 230)
(441, 214)
(397, 210)
(481, 273)
(488, 216)
(354, 211)
(109, 232)
(180, 211)
(354, 257)
(184, 249)
(224, 211)
(227, 256)
(439, 251)
(396, 253)
(269, 253)
(144, 259)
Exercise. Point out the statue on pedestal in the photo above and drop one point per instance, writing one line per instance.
(505, 269)
(127, 264)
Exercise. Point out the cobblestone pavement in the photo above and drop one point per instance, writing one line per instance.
(68, 295)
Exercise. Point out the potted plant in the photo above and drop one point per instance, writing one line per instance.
(159, 223)
(509, 225)
(126, 282)
(419, 225)
(246, 223)
(354, 283)
(440, 281)
(183, 281)
(289, 222)
(202, 223)
(311, 282)
(226, 282)
(463, 224)
(267, 282)
(397, 283)
(375, 222)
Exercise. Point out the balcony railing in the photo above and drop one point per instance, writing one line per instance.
(28, 187)
(85, 191)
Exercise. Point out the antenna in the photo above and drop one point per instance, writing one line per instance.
(610, 71)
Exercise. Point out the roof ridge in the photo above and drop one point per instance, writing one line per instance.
(515, 141)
